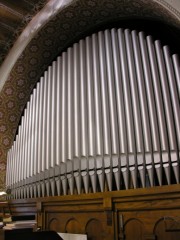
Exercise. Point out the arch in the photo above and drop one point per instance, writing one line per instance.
(131, 219)
(53, 224)
(134, 229)
(94, 229)
(161, 232)
(73, 226)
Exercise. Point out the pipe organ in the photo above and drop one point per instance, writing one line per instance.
(105, 116)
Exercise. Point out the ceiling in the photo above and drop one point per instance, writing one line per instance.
(13, 19)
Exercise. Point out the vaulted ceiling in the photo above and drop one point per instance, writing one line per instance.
(72, 20)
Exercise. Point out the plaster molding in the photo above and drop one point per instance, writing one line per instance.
(171, 7)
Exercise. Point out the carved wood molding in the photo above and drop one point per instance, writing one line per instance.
(172, 223)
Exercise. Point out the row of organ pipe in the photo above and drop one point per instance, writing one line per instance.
(105, 116)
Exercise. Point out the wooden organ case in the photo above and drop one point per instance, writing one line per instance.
(98, 147)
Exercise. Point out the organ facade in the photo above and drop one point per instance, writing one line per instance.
(106, 112)
(96, 111)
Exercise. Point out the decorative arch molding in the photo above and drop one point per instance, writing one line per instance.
(94, 229)
(167, 227)
(134, 229)
(169, 7)
(53, 224)
(133, 219)
(73, 226)
(68, 24)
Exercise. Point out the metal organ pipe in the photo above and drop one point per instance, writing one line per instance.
(173, 91)
(98, 114)
(127, 96)
(58, 111)
(40, 125)
(122, 158)
(176, 65)
(105, 116)
(173, 144)
(136, 111)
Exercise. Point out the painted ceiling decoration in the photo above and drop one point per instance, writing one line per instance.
(72, 21)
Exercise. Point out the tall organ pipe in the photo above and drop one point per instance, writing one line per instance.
(128, 108)
(136, 107)
(40, 125)
(53, 115)
(176, 65)
(58, 111)
(167, 103)
(122, 161)
(173, 91)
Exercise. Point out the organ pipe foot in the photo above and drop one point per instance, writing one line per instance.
(77, 177)
(100, 174)
(31, 191)
(70, 179)
(150, 171)
(93, 177)
(15, 195)
(142, 173)
(43, 188)
(12, 194)
(158, 168)
(85, 178)
(175, 167)
(167, 172)
(52, 183)
(25, 191)
(133, 172)
(47, 188)
(108, 173)
(35, 190)
(18, 194)
(58, 185)
(22, 192)
(125, 174)
(28, 191)
(64, 185)
(39, 190)
(117, 176)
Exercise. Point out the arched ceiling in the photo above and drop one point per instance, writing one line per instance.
(72, 21)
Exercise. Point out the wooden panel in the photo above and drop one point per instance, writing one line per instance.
(79, 222)
(152, 213)
(134, 229)
(162, 233)
(94, 230)
(73, 226)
